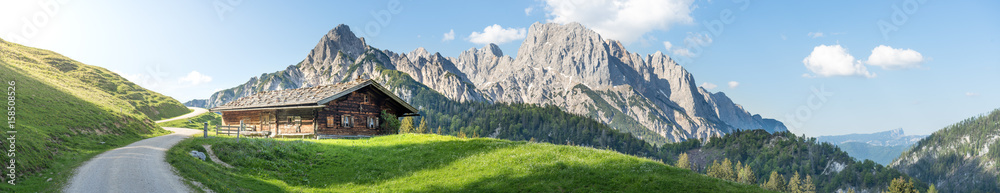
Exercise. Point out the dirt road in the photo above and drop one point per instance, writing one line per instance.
(138, 167)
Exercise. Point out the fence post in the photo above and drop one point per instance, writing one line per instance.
(206, 130)
(238, 131)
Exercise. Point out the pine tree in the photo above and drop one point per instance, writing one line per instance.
(407, 125)
(900, 185)
(850, 190)
(746, 175)
(439, 130)
(808, 186)
(794, 183)
(423, 126)
(713, 170)
(391, 123)
(739, 166)
(682, 161)
(776, 182)
(726, 170)
(932, 189)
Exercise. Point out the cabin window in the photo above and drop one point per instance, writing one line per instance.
(366, 98)
(371, 122)
(330, 120)
(346, 120)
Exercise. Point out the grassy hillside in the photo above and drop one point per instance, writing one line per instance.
(48, 64)
(196, 122)
(429, 163)
(963, 157)
(65, 114)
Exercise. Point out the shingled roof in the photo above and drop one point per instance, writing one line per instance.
(311, 97)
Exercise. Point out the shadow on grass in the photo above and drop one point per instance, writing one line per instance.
(609, 176)
(308, 164)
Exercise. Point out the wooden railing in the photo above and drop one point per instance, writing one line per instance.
(247, 130)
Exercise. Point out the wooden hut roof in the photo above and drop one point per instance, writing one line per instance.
(311, 97)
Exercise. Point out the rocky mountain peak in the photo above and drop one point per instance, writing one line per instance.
(339, 39)
(492, 49)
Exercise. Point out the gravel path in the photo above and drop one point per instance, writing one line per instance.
(138, 167)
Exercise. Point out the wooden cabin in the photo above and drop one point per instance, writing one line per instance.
(350, 109)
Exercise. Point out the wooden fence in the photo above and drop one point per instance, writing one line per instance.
(249, 131)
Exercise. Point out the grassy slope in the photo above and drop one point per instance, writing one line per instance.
(430, 163)
(196, 122)
(63, 116)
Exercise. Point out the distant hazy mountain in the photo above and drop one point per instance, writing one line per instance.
(881, 147)
(568, 66)
(894, 137)
(964, 157)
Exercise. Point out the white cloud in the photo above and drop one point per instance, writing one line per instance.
(894, 59)
(827, 61)
(733, 84)
(449, 36)
(783, 37)
(971, 94)
(815, 34)
(527, 11)
(496, 34)
(708, 85)
(697, 39)
(623, 20)
(668, 45)
(196, 78)
(683, 52)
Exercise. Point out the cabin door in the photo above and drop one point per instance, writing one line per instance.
(266, 121)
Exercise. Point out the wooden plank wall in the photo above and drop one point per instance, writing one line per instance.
(354, 104)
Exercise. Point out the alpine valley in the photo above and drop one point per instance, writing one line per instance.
(567, 66)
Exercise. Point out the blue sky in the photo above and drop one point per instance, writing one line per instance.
(938, 64)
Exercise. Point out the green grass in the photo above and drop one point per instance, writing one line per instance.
(66, 114)
(429, 163)
(196, 122)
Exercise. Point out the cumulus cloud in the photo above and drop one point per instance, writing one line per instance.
(827, 61)
(733, 84)
(497, 34)
(683, 52)
(527, 11)
(894, 59)
(449, 36)
(668, 45)
(196, 78)
(815, 34)
(708, 85)
(623, 20)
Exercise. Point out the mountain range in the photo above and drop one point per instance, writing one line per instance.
(881, 147)
(565, 65)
